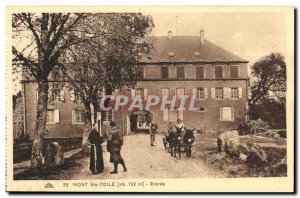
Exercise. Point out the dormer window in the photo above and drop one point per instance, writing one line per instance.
(196, 53)
(171, 54)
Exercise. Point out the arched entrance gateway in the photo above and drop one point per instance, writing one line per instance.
(140, 121)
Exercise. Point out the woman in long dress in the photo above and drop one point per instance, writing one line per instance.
(96, 156)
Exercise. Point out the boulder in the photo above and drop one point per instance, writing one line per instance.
(229, 142)
(54, 155)
(244, 151)
(257, 156)
(276, 136)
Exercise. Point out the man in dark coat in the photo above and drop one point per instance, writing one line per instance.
(114, 143)
(96, 157)
(153, 130)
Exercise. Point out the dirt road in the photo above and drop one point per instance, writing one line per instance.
(145, 161)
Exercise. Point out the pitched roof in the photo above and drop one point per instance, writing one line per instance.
(184, 48)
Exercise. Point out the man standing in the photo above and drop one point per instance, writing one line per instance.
(96, 157)
(114, 143)
(153, 130)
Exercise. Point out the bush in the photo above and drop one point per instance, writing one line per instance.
(252, 127)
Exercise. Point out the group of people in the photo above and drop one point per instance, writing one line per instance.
(153, 130)
(178, 126)
(114, 144)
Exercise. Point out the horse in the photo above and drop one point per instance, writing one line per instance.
(188, 140)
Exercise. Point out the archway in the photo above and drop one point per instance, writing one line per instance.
(140, 121)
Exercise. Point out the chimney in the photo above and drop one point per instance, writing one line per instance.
(170, 34)
(202, 37)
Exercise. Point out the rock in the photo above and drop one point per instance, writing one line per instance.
(54, 155)
(276, 136)
(257, 156)
(229, 142)
(244, 151)
(243, 157)
(282, 133)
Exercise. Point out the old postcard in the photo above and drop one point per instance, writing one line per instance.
(150, 99)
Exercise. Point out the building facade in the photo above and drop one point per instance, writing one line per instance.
(176, 66)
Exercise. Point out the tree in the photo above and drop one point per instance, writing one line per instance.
(106, 63)
(269, 74)
(47, 37)
(268, 90)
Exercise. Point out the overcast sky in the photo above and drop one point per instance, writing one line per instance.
(248, 35)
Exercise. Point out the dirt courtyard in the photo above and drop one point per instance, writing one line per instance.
(145, 161)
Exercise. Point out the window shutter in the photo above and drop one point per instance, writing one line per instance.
(238, 71)
(194, 92)
(36, 95)
(221, 117)
(223, 71)
(56, 116)
(229, 92)
(73, 117)
(240, 92)
(62, 95)
(132, 93)
(145, 93)
(213, 93)
(214, 72)
(165, 114)
(232, 113)
(72, 92)
(225, 93)
(205, 93)
(204, 72)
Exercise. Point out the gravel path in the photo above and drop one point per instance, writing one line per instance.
(145, 161)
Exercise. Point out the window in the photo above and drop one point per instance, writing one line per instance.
(180, 72)
(165, 114)
(165, 92)
(140, 73)
(226, 114)
(50, 116)
(234, 93)
(234, 71)
(139, 92)
(79, 116)
(200, 72)
(200, 93)
(200, 109)
(219, 93)
(164, 72)
(108, 116)
(56, 93)
(218, 72)
(179, 92)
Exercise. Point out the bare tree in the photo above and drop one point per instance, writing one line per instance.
(39, 42)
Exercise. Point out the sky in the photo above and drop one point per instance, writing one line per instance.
(248, 35)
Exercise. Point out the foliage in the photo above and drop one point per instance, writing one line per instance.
(269, 75)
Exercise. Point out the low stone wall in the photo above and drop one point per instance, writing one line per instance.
(22, 151)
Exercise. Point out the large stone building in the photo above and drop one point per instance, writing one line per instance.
(177, 65)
